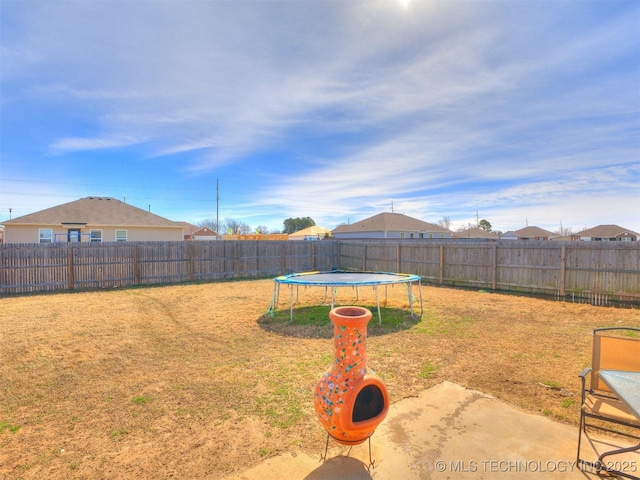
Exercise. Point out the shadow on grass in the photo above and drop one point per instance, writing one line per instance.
(314, 322)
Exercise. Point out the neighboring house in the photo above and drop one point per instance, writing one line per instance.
(476, 234)
(310, 233)
(510, 235)
(529, 233)
(188, 230)
(608, 233)
(91, 219)
(205, 233)
(390, 225)
(566, 238)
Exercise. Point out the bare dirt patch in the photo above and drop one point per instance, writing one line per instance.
(193, 382)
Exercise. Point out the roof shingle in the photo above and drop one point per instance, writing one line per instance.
(95, 211)
(390, 222)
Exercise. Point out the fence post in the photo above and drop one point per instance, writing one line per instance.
(191, 250)
(282, 259)
(441, 264)
(70, 265)
(257, 257)
(136, 264)
(563, 271)
(313, 256)
(364, 267)
(494, 282)
(398, 261)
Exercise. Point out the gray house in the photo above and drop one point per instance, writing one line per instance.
(390, 225)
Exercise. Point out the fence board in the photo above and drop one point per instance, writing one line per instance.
(605, 271)
(28, 268)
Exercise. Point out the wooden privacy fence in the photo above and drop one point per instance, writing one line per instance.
(26, 268)
(597, 272)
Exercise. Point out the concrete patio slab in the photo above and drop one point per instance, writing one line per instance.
(450, 432)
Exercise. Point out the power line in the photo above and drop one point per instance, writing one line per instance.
(101, 185)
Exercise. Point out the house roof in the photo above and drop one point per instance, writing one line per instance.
(187, 227)
(95, 211)
(390, 222)
(205, 232)
(475, 232)
(606, 231)
(529, 232)
(313, 230)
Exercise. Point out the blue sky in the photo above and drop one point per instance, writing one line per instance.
(518, 112)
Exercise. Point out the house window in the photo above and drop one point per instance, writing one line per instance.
(95, 236)
(402, 235)
(121, 235)
(73, 235)
(45, 235)
(411, 235)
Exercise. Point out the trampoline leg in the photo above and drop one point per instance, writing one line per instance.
(290, 303)
(378, 305)
(410, 291)
(274, 302)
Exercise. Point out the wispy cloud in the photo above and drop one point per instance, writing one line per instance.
(341, 108)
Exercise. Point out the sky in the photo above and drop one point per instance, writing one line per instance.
(522, 113)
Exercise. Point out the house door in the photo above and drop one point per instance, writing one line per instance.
(73, 235)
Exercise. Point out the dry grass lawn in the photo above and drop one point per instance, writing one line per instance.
(192, 381)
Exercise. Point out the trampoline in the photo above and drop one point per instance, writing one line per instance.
(340, 278)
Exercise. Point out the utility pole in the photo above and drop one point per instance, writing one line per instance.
(217, 206)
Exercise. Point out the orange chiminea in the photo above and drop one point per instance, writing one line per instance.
(350, 399)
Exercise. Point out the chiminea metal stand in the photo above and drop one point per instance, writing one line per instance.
(323, 458)
(350, 399)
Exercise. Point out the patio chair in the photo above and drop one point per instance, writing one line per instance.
(614, 348)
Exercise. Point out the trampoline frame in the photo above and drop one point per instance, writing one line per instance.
(304, 279)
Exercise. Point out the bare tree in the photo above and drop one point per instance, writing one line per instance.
(564, 231)
(445, 223)
(236, 227)
(209, 223)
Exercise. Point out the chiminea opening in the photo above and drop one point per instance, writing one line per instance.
(350, 311)
(369, 404)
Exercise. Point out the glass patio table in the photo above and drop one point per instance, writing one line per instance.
(626, 386)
